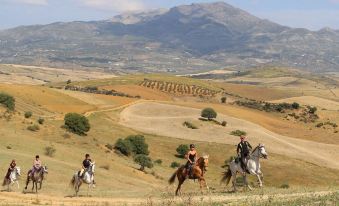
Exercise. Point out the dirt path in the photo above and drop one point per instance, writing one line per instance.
(167, 120)
(12, 198)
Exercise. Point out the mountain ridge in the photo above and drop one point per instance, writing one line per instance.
(182, 39)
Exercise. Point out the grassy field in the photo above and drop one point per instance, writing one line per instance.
(118, 177)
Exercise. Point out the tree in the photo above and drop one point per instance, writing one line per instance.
(223, 99)
(208, 113)
(76, 123)
(123, 146)
(143, 161)
(139, 146)
(8, 101)
(312, 110)
(182, 150)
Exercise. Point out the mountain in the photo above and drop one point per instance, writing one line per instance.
(186, 38)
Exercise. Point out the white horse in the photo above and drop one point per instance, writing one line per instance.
(13, 178)
(253, 166)
(87, 178)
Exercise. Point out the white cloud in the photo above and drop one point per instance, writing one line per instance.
(33, 2)
(115, 5)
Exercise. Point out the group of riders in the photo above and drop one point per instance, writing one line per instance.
(37, 166)
(243, 151)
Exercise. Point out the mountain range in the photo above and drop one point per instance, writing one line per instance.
(188, 38)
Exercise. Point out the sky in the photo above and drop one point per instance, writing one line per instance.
(310, 14)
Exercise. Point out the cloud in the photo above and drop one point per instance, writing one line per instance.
(115, 5)
(32, 2)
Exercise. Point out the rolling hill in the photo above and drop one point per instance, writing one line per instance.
(183, 39)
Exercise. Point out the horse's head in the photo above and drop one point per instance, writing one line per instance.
(45, 169)
(205, 162)
(18, 171)
(92, 167)
(262, 151)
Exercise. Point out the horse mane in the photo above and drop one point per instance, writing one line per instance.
(260, 145)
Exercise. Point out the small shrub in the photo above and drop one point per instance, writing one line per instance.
(285, 186)
(8, 101)
(41, 120)
(50, 151)
(182, 150)
(33, 128)
(238, 133)
(312, 110)
(143, 161)
(28, 114)
(223, 99)
(189, 125)
(139, 146)
(8, 147)
(175, 165)
(319, 124)
(158, 162)
(223, 123)
(109, 146)
(208, 113)
(76, 123)
(69, 81)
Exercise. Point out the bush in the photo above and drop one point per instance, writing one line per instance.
(69, 81)
(123, 146)
(41, 120)
(238, 133)
(28, 114)
(158, 161)
(134, 144)
(33, 128)
(143, 161)
(285, 186)
(223, 99)
(223, 123)
(8, 101)
(182, 150)
(295, 105)
(189, 125)
(312, 110)
(208, 113)
(139, 146)
(175, 165)
(50, 151)
(77, 123)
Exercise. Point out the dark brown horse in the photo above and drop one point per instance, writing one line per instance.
(198, 171)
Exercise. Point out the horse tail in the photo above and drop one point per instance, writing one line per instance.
(227, 176)
(172, 179)
(72, 183)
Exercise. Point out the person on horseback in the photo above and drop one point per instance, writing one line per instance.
(85, 166)
(36, 165)
(191, 157)
(243, 150)
(12, 165)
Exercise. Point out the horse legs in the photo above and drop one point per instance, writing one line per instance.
(246, 182)
(234, 181)
(259, 179)
(27, 182)
(40, 186)
(17, 183)
(179, 187)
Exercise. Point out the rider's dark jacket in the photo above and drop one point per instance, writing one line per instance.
(192, 158)
(244, 148)
(86, 163)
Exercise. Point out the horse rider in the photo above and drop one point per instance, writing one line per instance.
(85, 166)
(12, 165)
(36, 165)
(243, 150)
(191, 157)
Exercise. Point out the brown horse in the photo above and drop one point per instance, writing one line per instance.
(198, 171)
